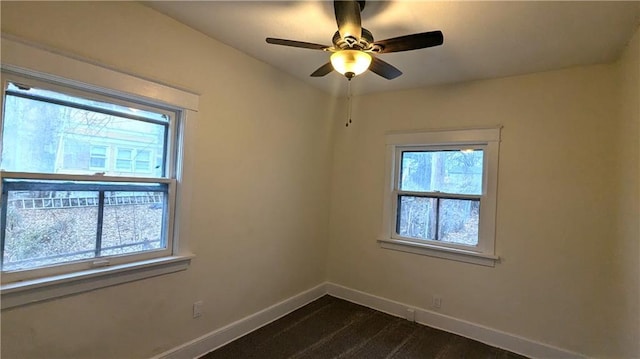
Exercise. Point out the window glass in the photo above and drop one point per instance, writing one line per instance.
(98, 157)
(75, 156)
(417, 217)
(49, 215)
(49, 227)
(123, 160)
(451, 181)
(50, 222)
(132, 222)
(439, 219)
(458, 221)
(451, 171)
(143, 161)
(74, 137)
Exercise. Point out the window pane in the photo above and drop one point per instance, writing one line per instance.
(49, 222)
(143, 161)
(44, 137)
(123, 160)
(98, 157)
(49, 227)
(98, 151)
(451, 171)
(75, 156)
(458, 221)
(124, 154)
(416, 217)
(133, 222)
(143, 155)
(143, 166)
(123, 165)
(97, 162)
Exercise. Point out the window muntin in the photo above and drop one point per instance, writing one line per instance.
(75, 138)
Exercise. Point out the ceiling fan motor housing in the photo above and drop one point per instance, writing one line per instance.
(365, 42)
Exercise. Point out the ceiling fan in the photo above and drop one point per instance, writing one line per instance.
(353, 45)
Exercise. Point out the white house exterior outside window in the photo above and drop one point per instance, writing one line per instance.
(441, 192)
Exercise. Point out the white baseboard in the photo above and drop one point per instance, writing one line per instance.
(464, 328)
(493, 337)
(235, 330)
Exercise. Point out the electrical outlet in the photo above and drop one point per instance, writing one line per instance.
(436, 302)
(197, 309)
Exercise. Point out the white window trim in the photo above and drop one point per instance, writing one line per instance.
(31, 60)
(36, 290)
(489, 140)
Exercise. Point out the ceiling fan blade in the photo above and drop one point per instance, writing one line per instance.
(348, 18)
(292, 43)
(384, 69)
(410, 42)
(323, 70)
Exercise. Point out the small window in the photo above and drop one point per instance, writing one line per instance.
(65, 206)
(98, 158)
(439, 195)
(124, 160)
(442, 193)
(143, 161)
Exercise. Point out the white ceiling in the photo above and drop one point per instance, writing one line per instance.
(481, 39)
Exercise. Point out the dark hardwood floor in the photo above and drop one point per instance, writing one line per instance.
(333, 328)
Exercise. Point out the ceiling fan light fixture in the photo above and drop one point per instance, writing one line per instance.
(350, 62)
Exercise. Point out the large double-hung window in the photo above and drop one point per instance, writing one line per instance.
(440, 197)
(92, 182)
(439, 192)
(78, 190)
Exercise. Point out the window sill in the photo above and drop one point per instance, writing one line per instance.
(440, 252)
(36, 290)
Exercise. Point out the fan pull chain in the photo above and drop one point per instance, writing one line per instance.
(348, 103)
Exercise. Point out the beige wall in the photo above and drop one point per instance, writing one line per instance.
(264, 169)
(556, 201)
(259, 215)
(626, 251)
